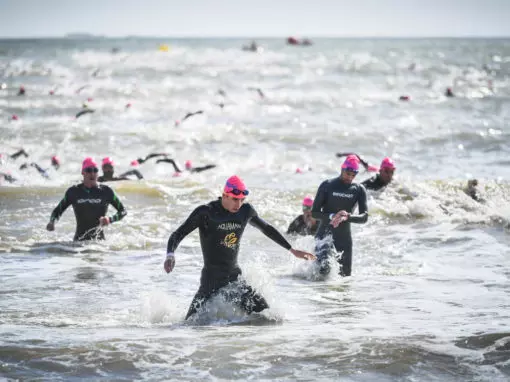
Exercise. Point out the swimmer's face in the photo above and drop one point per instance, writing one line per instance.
(386, 175)
(90, 176)
(348, 176)
(107, 170)
(230, 203)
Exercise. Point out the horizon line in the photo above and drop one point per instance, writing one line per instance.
(87, 36)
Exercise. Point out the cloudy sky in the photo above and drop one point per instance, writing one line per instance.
(248, 18)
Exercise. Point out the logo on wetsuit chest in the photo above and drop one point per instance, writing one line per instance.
(230, 240)
(229, 226)
(91, 201)
(343, 195)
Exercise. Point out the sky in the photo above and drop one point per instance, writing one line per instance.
(261, 18)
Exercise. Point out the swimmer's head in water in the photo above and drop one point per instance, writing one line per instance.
(307, 206)
(387, 170)
(55, 161)
(188, 165)
(107, 166)
(107, 161)
(307, 203)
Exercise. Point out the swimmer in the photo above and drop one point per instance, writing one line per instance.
(333, 206)
(90, 202)
(304, 224)
(221, 224)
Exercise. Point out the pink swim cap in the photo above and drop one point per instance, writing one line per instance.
(351, 163)
(107, 161)
(388, 163)
(235, 187)
(188, 165)
(88, 162)
(54, 159)
(134, 163)
(308, 201)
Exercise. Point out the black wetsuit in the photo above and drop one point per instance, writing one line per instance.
(332, 196)
(18, 154)
(192, 170)
(124, 176)
(299, 226)
(9, 178)
(220, 238)
(374, 183)
(41, 170)
(89, 204)
(153, 155)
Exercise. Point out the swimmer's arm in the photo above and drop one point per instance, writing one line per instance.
(362, 161)
(117, 204)
(268, 230)
(192, 222)
(362, 215)
(319, 201)
(153, 155)
(203, 168)
(169, 160)
(19, 153)
(41, 170)
(135, 172)
(61, 207)
(272, 233)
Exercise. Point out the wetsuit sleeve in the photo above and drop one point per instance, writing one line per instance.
(62, 206)
(137, 173)
(268, 230)
(318, 203)
(168, 160)
(117, 204)
(362, 216)
(192, 222)
(203, 168)
(41, 170)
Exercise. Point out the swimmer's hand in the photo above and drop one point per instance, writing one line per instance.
(339, 217)
(104, 220)
(302, 254)
(50, 226)
(169, 262)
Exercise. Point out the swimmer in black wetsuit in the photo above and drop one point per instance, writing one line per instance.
(333, 206)
(55, 162)
(221, 224)
(472, 190)
(365, 164)
(19, 153)
(7, 177)
(150, 156)
(383, 178)
(188, 115)
(188, 165)
(107, 167)
(90, 203)
(42, 171)
(304, 224)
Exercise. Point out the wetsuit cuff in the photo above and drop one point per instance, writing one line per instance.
(169, 255)
(331, 216)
